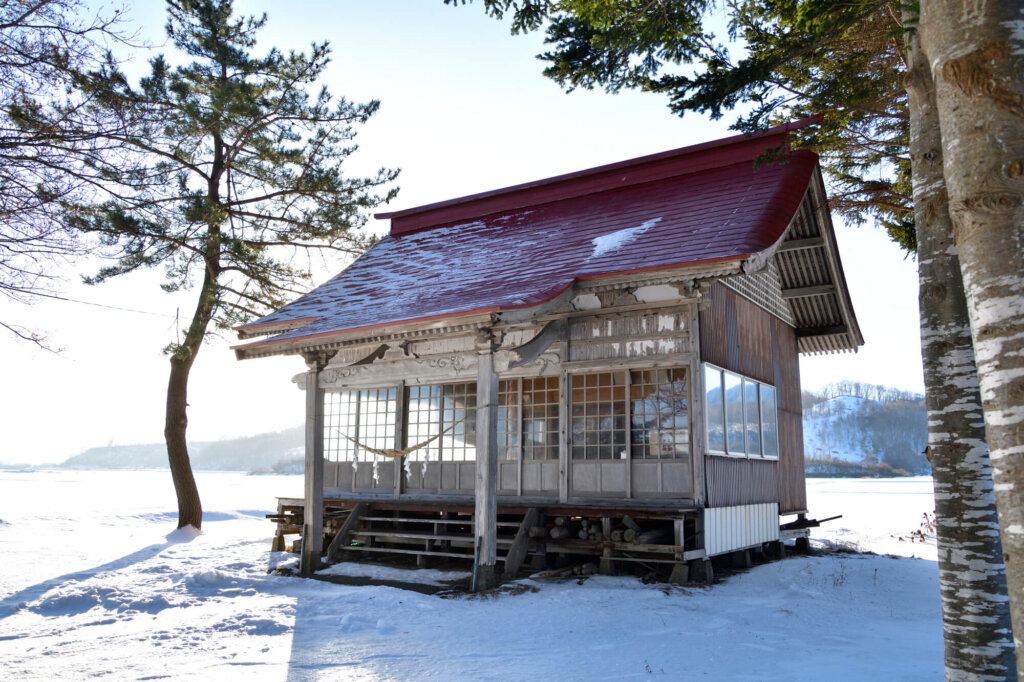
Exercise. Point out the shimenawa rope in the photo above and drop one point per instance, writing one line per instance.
(390, 452)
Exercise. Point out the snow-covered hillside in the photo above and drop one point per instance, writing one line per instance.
(861, 430)
(824, 436)
(263, 452)
(94, 583)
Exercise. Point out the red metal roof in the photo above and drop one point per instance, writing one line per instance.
(524, 245)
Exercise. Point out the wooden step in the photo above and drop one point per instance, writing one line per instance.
(389, 550)
(463, 522)
(412, 535)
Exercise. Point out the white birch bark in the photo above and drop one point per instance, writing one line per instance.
(976, 53)
(972, 578)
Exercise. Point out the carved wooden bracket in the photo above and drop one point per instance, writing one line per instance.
(375, 355)
(317, 360)
(531, 350)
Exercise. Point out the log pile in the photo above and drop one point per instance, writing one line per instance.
(625, 530)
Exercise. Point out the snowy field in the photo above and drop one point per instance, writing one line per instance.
(95, 583)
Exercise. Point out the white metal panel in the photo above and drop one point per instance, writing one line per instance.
(730, 528)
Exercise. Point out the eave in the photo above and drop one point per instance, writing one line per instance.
(813, 284)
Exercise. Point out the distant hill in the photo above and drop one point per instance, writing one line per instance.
(861, 429)
(265, 451)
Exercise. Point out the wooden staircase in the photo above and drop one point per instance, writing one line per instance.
(423, 534)
(366, 529)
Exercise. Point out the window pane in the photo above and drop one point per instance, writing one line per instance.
(357, 420)
(540, 418)
(753, 429)
(769, 423)
(424, 422)
(734, 413)
(508, 419)
(598, 419)
(447, 411)
(660, 424)
(458, 413)
(713, 409)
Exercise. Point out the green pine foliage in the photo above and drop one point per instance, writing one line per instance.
(783, 60)
(230, 168)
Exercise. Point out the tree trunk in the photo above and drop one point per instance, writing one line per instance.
(976, 52)
(190, 509)
(972, 577)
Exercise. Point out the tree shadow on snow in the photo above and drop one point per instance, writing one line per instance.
(16, 601)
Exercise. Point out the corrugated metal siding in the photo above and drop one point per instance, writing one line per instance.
(738, 335)
(792, 482)
(730, 528)
(736, 480)
(713, 329)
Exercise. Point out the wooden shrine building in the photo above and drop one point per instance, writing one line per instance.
(604, 362)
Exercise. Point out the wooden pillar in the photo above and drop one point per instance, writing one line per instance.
(564, 430)
(486, 498)
(401, 419)
(313, 509)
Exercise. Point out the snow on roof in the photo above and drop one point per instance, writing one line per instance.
(523, 246)
(616, 240)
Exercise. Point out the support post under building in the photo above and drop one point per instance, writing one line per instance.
(313, 519)
(486, 491)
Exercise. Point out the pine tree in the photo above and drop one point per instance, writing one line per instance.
(230, 167)
(884, 158)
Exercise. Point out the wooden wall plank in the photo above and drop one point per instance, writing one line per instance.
(743, 337)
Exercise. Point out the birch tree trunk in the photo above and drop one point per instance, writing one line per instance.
(976, 52)
(972, 577)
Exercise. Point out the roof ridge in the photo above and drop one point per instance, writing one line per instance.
(712, 154)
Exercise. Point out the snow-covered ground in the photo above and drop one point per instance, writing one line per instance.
(94, 582)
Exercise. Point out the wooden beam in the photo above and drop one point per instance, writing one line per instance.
(821, 331)
(313, 521)
(517, 552)
(485, 515)
(346, 529)
(696, 417)
(531, 350)
(807, 243)
(804, 292)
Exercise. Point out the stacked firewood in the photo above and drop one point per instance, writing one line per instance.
(625, 531)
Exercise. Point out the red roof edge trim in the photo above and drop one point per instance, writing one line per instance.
(293, 341)
(680, 161)
(274, 325)
(335, 332)
(656, 268)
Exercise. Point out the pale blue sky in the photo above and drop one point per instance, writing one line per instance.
(464, 109)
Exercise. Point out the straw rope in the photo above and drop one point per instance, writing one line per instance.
(393, 453)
